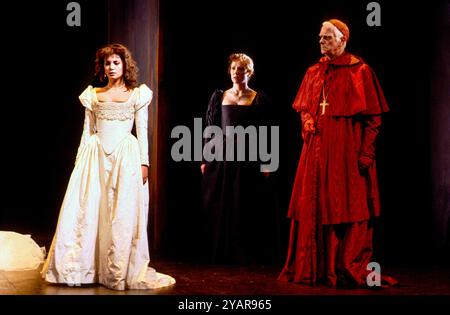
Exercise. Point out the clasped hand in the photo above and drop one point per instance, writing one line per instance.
(308, 128)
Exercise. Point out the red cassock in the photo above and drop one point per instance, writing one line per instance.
(329, 188)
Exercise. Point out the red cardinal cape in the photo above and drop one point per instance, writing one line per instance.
(328, 172)
(329, 186)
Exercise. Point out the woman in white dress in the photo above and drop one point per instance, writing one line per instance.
(101, 236)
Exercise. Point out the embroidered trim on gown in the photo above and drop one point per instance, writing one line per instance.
(101, 235)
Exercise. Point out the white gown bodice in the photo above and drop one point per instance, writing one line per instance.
(112, 132)
(113, 121)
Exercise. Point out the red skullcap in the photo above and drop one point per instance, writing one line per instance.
(341, 26)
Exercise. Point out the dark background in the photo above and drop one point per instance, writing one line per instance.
(48, 64)
(282, 38)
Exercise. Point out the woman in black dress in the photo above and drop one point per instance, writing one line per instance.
(242, 220)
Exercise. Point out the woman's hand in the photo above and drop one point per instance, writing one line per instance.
(202, 168)
(144, 173)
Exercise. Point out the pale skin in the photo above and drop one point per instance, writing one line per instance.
(331, 47)
(116, 91)
(240, 94)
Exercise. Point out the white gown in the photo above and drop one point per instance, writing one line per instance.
(101, 236)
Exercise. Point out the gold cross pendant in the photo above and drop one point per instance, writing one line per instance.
(324, 104)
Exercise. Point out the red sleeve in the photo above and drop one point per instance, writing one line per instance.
(371, 127)
(302, 99)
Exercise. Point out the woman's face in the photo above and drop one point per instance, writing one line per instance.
(113, 67)
(238, 72)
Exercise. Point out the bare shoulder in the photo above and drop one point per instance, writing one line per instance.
(100, 90)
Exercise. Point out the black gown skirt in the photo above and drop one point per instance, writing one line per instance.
(241, 209)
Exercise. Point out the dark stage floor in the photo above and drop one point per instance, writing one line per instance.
(199, 279)
(224, 280)
(420, 288)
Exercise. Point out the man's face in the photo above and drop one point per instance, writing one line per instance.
(329, 44)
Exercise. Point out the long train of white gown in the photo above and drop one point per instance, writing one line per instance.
(101, 235)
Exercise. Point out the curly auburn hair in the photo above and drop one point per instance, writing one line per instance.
(130, 68)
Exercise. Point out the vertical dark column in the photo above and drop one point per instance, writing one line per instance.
(135, 23)
(440, 122)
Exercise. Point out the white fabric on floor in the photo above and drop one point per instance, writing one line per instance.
(19, 252)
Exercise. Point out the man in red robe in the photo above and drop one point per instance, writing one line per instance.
(335, 193)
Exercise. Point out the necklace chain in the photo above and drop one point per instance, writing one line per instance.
(323, 91)
(243, 94)
(324, 102)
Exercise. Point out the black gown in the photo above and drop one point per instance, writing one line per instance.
(241, 209)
